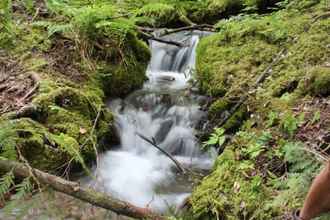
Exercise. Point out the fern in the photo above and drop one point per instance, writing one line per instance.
(53, 28)
(71, 147)
(217, 138)
(6, 10)
(6, 181)
(60, 7)
(6, 26)
(23, 188)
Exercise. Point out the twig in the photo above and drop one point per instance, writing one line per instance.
(151, 37)
(36, 80)
(153, 143)
(92, 132)
(202, 27)
(90, 138)
(322, 16)
(26, 163)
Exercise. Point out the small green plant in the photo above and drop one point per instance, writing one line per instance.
(217, 138)
(6, 24)
(254, 150)
(272, 118)
(290, 123)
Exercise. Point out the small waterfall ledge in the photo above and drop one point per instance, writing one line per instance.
(137, 172)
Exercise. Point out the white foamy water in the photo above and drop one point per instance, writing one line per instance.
(138, 172)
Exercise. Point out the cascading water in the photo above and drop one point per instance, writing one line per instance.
(136, 171)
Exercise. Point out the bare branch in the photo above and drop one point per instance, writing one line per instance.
(202, 27)
(153, 143)
(151, 37)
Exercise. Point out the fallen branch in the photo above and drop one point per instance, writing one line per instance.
(83, 193)
(153, 143)
(322, 16)
(26, 111)
(202, 27)
(36, 80)
(151, 37)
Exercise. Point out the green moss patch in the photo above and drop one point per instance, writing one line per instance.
(317, 82)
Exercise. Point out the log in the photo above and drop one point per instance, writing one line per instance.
(26, 111)
(83, 193)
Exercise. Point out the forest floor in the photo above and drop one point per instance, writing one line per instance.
(66, 57)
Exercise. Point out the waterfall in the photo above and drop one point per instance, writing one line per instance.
(136, 171)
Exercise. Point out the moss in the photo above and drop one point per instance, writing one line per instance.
(223, 67)
(228, 64)
(227, 193)
(236, 120)
(68, 111)
(218, 107)
(158, 15)
(37, 145)
(72, 100)
(247, 172)
(317, 82)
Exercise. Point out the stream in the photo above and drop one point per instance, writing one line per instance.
(164, 110)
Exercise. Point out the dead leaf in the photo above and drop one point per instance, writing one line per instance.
(82, 131)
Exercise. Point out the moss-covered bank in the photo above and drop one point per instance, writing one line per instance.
(81, 55)
(265, 170)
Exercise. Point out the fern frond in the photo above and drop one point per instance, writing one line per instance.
(53, 27)
(6, 181)
(23, 188)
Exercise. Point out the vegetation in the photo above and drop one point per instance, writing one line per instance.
(85, 51)
(267, 159)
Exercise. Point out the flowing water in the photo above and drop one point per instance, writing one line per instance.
(164, 110)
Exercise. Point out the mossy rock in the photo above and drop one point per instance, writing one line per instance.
(70, 99)
(41, 148)
(227, 194)
(120, 77)
(225, 67)
(71, 112)
(159, 15)
(317, 82)
(218, 107)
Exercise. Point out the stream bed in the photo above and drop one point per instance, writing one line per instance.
(166, 111)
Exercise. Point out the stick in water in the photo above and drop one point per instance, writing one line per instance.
(153, 143)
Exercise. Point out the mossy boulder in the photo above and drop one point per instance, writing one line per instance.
(71, 112)
(41, 148)
(218, 107)
(228, 64)
(71, 99)
(119, 79)
(113, 44)
(160, 15)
